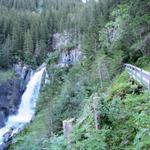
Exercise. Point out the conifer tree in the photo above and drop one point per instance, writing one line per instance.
(5, 53)
(28, 49)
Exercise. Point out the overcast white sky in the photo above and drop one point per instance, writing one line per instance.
(84, 1)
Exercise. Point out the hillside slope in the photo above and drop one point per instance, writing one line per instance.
(108, 34)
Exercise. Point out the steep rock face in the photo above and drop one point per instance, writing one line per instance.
(111, 34)
(23, 72)
(60, 40)
(10, 95)
(70, 50)
(12, 90)
(69, 57)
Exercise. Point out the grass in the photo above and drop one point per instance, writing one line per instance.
(125, 121)
(144, 62)
(131, 122)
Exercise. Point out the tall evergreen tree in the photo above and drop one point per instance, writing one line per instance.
(5, 53)
(40, 52)
(28, 48)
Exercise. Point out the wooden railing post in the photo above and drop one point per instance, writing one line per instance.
(135, 72)
(149, 84)
(67, 129)
(141, 76)
(96, 114)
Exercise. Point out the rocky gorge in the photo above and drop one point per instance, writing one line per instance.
(12, 90)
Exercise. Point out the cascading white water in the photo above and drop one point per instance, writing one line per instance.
(26, 108)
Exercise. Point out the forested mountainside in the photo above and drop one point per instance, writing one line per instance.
(85, 46)
(27, 28)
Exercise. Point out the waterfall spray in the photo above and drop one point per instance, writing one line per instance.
(26, 110)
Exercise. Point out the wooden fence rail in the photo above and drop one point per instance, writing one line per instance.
(139, 74)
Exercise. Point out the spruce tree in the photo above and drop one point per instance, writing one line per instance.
(5, 53)
(28, 49)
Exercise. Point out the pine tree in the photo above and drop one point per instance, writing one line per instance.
(28, 49)
(17, 39)
(5, 54)
(40, 52)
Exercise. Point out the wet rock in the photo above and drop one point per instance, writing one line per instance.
(3, 146)
(7, 140)
(27, 73)
(60, 40)
(68, 58)
(69, 55)
(18, 68)
(12, 90)
(24, 72)
(2, 118)
(8, 136)
(10, 96)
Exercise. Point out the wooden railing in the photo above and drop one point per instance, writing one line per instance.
(139, 74)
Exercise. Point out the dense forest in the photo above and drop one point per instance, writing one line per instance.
(27, 26)
(110, 34)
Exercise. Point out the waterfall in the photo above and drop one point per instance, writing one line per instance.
(26, 110)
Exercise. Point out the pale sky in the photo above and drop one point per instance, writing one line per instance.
(84, 1)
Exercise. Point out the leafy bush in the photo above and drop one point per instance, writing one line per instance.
(144, 62)
(95, 140)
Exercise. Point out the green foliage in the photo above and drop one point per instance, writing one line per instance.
(69, 46)
(5, 53)
(125, 119)
(94, 140)
(144, 62)
(128, 113)
(40, 52)
(29, 59)
(112, 33)
(28, 49)
(52, 58)
(84, 135)
(58, 143)
(29, 133)
(121, 86)
(5, 75)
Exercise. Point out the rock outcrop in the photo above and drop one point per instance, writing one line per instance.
(69, 57)
(24, 72)
(12, 90)
(70, 51)
(10, 95)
